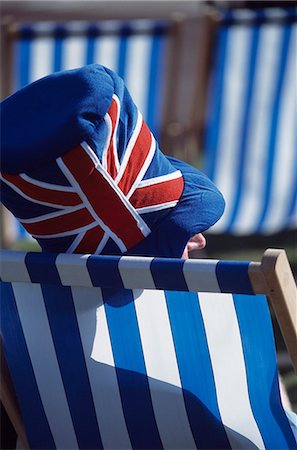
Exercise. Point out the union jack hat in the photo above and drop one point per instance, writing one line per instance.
(82, 172)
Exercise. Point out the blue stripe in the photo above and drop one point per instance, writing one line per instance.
(292, 209)
(156, 69)
(168, 274)
(24, 56)
(60, 33)
(262, 375)
(233, 277)
(125, 32)
(92, 34)
(104, 271)
(20, 367)
(42, 268)
(291, 216)
(195, 370)
(286, 35)
(63, 323)
(215, 103)
(243, 141)
(130, 367)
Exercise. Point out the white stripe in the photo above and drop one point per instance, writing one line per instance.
(74, 55)
(138, 69)
(160, 207)
(251, 203)
(42, 51)
(243, 14)
(72, 247)
(140, 222)
(285, 163)
(130, 147)
(275, 13)
(227, 359)
(106, 51)
(42, 184)
(90, 152)
(101, 244)
(52, 215)
(13, 266)
(144, 167)
(87, 204)
(162, 370)
(115, 145)
(73, 269)
(108, 123)
(22, 194)
(66, 233)
(160, 179)
(100, 365)
(200, 275)
(41, 349)
(135, 272)
(231, 118)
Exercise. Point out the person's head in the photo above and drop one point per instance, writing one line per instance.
(83, 173)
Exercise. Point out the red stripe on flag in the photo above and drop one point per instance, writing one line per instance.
(159, 193)
(103, 198)
(52, 196)
(90, 241)
(80, 163)
(60, 224)
(113, 114)
(137, 159)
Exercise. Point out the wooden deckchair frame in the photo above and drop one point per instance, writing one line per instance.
(272, 277)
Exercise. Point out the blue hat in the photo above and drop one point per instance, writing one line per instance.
(82, 172)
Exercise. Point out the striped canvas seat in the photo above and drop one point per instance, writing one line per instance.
(251, 151)
(124, 353)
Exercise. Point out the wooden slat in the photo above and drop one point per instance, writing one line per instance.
(282, 293)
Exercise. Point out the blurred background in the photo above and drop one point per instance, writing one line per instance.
(216, 83)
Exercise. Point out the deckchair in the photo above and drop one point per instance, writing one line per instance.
(250, 140)
(131, 352)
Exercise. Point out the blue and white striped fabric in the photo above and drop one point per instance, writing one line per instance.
(251, 138)
(126, 272)
(107, 367)
(134, 50)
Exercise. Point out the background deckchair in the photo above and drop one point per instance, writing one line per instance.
(96, 364)
(251, 136)
(135, 49)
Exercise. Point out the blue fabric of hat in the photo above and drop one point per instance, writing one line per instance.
(82, 172)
